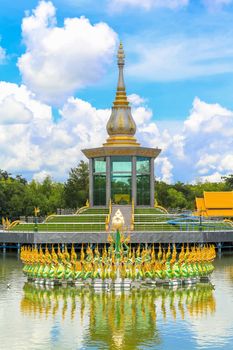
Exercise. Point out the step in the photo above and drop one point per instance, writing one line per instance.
(126, 211)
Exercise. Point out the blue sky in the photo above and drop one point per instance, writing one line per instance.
(57, 68)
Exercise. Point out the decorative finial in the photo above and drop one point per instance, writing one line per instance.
(121, 98)
(121, 55)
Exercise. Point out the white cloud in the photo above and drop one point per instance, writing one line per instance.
(41, 175)
(215, 177)
(59, 60)
(24, 123)
(2, 55)
(209, 118)
(136, 100)
(13, 111)
(226, 163)
(150, 135)
(165, 167)
(80, 126)
(204, 329)
(32, 143)
(216, 4)
(198, 148)
(147, 4)
(177, 58)
(208, 139)
(208, 161)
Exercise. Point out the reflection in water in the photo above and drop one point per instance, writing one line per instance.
(229, 270)
(124, 320)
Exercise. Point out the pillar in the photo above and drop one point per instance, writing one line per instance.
(18, 249)
(108, 180)
(134, 180)
(219, 249)
(152, 182)
(91, 182)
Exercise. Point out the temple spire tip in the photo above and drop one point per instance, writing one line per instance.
(121, 54)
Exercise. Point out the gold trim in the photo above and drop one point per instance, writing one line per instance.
(131, 150)
(116, 141)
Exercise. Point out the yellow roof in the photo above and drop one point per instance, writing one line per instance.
(218, 200)
(200, 204)
(215, 204)
(220, 212)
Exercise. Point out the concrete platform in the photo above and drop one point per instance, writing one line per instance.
(135, 237)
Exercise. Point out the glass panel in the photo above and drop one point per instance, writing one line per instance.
(143, 165)
(99, 189)
(143, 189)
(99, 165)
(121, 164)
(121, 189)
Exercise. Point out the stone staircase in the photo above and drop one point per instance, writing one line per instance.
(126, 211)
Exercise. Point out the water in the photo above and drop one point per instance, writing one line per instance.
(66, 318)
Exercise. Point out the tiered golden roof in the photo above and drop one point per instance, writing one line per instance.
(215, 204)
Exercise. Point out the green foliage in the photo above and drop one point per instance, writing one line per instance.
(228, 181)
(48, 196)
(76, 187)
(180, 195)
(11, 193)
(177, 198)
(19, 197)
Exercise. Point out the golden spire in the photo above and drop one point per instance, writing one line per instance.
(121, 98)
(121, 126)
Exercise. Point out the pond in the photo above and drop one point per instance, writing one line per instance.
(34, 317)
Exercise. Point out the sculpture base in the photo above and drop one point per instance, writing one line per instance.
(119, 283)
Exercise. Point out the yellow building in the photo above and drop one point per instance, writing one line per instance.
(215, 204)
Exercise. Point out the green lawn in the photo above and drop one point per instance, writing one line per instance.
(90, 220)
(150, 218)
(183, 227)
(61, 227)
(99, 227)
(95, 211)
(77, 218)
(148, 211)
(153, 227)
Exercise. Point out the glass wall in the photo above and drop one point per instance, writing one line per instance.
(143, 180)
(121, 179)
(120, 173)
(99, 181)
(99, 165)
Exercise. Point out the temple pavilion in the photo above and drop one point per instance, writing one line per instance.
(121, 170)
(214, 204)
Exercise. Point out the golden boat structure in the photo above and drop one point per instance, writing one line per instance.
(118, 265)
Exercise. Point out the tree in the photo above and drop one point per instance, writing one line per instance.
(228, 181)
(48, 196)
(76, 187)
(4, 175)
(161, 189)
(176, 199)
(11, 194)
(18, 197)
